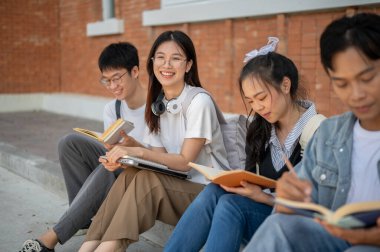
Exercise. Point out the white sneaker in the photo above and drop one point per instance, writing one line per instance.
(34, 246)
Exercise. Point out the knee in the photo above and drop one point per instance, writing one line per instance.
(228, 205)
(145, 179)
(212, 189)
(276, 219)
(68, 140)
(210, 194)
(128, 173)
(283, 223)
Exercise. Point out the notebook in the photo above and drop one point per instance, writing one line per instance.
(152, 166)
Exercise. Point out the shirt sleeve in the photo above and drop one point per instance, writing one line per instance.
(152, 139)
(201, 118)
(109, 114)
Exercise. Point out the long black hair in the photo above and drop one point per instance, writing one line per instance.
(269, 69)
(155, 87)
(361, 31)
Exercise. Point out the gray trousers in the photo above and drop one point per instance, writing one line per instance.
(87, 182)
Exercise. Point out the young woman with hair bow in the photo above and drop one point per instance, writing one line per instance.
(229, 216)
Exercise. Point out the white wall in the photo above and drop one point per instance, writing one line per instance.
(90, 107)
(187, 11)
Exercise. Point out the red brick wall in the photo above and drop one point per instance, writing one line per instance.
(29, 46)
(46, 47)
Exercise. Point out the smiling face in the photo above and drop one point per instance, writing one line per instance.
(170, 65)
(127, 82)
(356, 81)
(265, 100)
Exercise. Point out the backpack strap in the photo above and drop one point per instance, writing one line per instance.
(308, 131)
(117, 109)
(222, 121)
(190, 96)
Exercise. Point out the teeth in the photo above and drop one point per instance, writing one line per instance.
(167, 73)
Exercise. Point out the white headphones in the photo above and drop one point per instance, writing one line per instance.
(173, 106)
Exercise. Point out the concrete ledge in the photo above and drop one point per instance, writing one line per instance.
(36, 169)
(110, 26)
(159, 233)
(85, 106)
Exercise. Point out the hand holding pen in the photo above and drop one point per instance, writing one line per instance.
(289, 186)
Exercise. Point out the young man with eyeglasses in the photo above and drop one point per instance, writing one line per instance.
(87, 181)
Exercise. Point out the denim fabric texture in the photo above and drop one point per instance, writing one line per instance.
(327, 164)
(327, 161)
(218, 214)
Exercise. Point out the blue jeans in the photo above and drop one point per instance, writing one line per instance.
(284, 233)
(220, 219)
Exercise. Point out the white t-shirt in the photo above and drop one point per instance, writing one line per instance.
(365, 182)
(202, 122)
(136, 116)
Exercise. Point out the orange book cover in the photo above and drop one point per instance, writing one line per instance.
(234, 177)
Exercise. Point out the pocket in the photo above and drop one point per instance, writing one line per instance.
(325, 176)
(326, 180)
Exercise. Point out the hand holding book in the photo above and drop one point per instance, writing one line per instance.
(126, 140)
(251, 191)
(354, 215)
(112, 134)
(233, 178)
(369, 236)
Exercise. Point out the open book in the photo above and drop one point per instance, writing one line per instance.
(233, 178)
(149, 165)
(354, 215)
(112, 134)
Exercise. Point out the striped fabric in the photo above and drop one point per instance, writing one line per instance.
(292, 139)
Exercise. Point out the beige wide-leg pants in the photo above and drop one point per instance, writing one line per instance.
(136, 200)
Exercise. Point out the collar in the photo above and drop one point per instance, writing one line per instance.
(181, 97)
(296, 132)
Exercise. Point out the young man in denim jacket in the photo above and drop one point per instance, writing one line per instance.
(341, 164)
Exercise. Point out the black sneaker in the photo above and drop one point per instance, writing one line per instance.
(34, 246)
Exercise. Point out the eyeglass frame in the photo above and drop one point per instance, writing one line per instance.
(115, 80)
(170, 60)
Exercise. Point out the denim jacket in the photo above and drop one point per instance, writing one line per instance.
(327, 161)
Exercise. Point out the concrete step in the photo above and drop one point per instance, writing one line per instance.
(28, 210)
(28, 148)
(48, 175)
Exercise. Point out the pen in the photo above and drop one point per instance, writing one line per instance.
(289, 165)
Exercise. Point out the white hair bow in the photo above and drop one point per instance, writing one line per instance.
(269, 47)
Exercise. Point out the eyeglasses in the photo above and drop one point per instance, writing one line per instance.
(115, 80)
(174, 61)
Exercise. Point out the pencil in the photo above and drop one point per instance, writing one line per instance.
(289, 165)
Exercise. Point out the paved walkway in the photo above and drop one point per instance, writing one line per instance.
(32, 190)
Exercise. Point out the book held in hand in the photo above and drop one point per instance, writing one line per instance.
(151, 166)
(234, 177)
(112, 134)
(353, 215)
